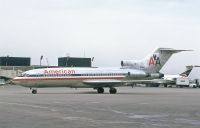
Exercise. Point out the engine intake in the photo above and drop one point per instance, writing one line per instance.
(128, 63)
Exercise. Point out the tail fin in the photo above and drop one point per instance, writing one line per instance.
(187, 72)
(155, 61)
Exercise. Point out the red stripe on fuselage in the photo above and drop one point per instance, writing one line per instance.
(65, 78)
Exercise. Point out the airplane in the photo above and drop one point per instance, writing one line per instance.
(169, 79)
(185, 79)
(131, 71)
(173, 78)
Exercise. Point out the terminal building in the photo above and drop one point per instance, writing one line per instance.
(10, 67)
(15, 61)
(74, 62)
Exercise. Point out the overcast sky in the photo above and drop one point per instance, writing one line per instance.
(109, 30)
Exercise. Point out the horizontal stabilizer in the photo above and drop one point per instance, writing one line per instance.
(173, 50)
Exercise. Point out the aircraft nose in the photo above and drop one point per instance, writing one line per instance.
(15, 81)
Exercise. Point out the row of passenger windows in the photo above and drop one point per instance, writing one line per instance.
(67, 75)
(107, 74)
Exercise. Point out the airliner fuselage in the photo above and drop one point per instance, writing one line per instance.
(77, 77)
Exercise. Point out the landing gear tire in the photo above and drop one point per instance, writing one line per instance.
(113, 91)
(165, 85)
(100, 90)
(34, 91)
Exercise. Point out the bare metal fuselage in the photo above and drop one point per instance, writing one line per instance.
(61, 82)
(77, 77)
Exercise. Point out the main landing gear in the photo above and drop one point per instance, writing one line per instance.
(34, 91)
(100, 90)
(112, 90)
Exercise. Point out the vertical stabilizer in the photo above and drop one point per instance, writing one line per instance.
(187, 72)
(155, 61)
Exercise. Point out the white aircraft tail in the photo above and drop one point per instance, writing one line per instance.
(187, 72)
(153, 62)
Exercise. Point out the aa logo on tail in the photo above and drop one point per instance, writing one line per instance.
(154, 60)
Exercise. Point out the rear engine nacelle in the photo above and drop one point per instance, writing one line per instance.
(132, 64)
(133, 75)
(128, 63)
(146, 75)
(155, 75)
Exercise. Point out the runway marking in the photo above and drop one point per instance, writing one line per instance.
(95, 102)
(134, 116)
(119, 122)
(187, 121)
(97, 121)
(119, 112)
(59, 102)
(54, 110)
(25, 105)
(97, 109)
(139, 116)
(144, 103)
(78, 118)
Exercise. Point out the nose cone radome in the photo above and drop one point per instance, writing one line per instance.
(15, 80)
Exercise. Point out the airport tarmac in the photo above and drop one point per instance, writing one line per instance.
(136, 107)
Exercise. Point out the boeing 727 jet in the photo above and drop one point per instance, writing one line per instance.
(98, 78)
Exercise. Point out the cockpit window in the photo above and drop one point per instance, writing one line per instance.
(23, 75)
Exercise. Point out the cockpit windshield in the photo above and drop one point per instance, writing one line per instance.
(23, 75)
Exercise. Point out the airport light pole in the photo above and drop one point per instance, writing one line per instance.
(47, 62)
(67, 61)
(67, 58)
(7, 60)
(92, 61)
(41, 57)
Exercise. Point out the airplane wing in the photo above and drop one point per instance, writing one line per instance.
(153, 81)
(107, 82)
(111, 82)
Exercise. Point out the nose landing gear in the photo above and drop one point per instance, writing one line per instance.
(34, 91)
